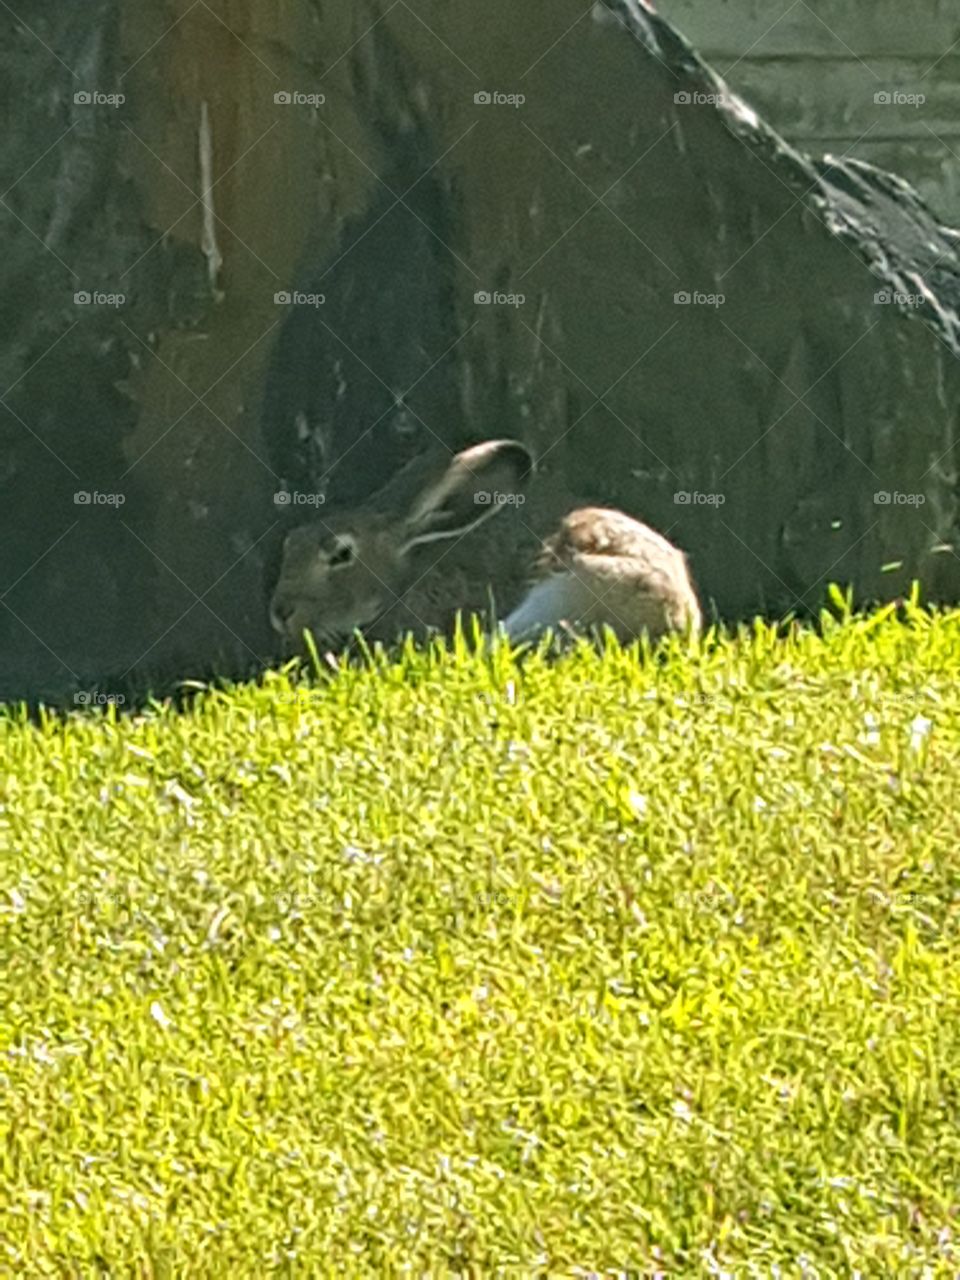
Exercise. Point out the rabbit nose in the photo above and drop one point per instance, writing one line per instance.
(280, 614)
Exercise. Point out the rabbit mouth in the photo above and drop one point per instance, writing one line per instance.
(290, 625)
(294, 642)
(325, 635)
(291, 618)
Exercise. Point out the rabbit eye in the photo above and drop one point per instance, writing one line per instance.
(341, 554)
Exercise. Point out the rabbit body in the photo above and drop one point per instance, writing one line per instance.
(364, 568)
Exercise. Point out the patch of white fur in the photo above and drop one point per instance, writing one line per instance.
(546, 604)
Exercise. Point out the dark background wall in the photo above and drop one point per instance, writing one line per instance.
(187, 198)
(812, 70)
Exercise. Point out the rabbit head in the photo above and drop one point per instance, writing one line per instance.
(343, 571)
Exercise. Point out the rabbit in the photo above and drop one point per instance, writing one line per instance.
(345, 571)
(603, 568)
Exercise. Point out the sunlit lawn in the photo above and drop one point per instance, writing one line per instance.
(466, 960)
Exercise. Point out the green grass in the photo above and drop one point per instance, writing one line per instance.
(462, 963)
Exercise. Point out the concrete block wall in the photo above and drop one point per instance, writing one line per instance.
(812, 68)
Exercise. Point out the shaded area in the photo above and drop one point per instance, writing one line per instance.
(761, 432)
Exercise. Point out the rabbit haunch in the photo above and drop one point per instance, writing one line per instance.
(602, 568)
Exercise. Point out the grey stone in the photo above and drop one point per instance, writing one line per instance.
(399, 198)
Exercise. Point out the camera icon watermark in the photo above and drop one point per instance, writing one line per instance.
(709, 900)
(92, 698)
(294, 498)
(897, 98)
(497, 898)
(297, 904)
(486, 298)
(98, 298)
(294, 298)
(94, 98)
(94, 498)
(694, 98)
(696, 298)
(298, 697)
(484, 98)
(694, 498)
(294, 98)
(86, 900)
(487, 498)
(884, 297)
(886, 498)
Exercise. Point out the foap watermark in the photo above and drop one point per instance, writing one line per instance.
(496, 898)
(484, 98)
(94, 498)
(294, 98)
(292, 903)
(298, 697)
(484, 298)
(884, 498)
(97, 298)
(294, 298)
(87, 900)
(707, 901)
(486, 498)
(907, 900)
(686, 298)
(884, 297)
(92, 698)
(694, 98)
(294, 498)
(899, 899)
(897, 98)
(94, 98)
(694, 498)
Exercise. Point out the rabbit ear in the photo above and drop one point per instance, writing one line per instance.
(478, 482)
